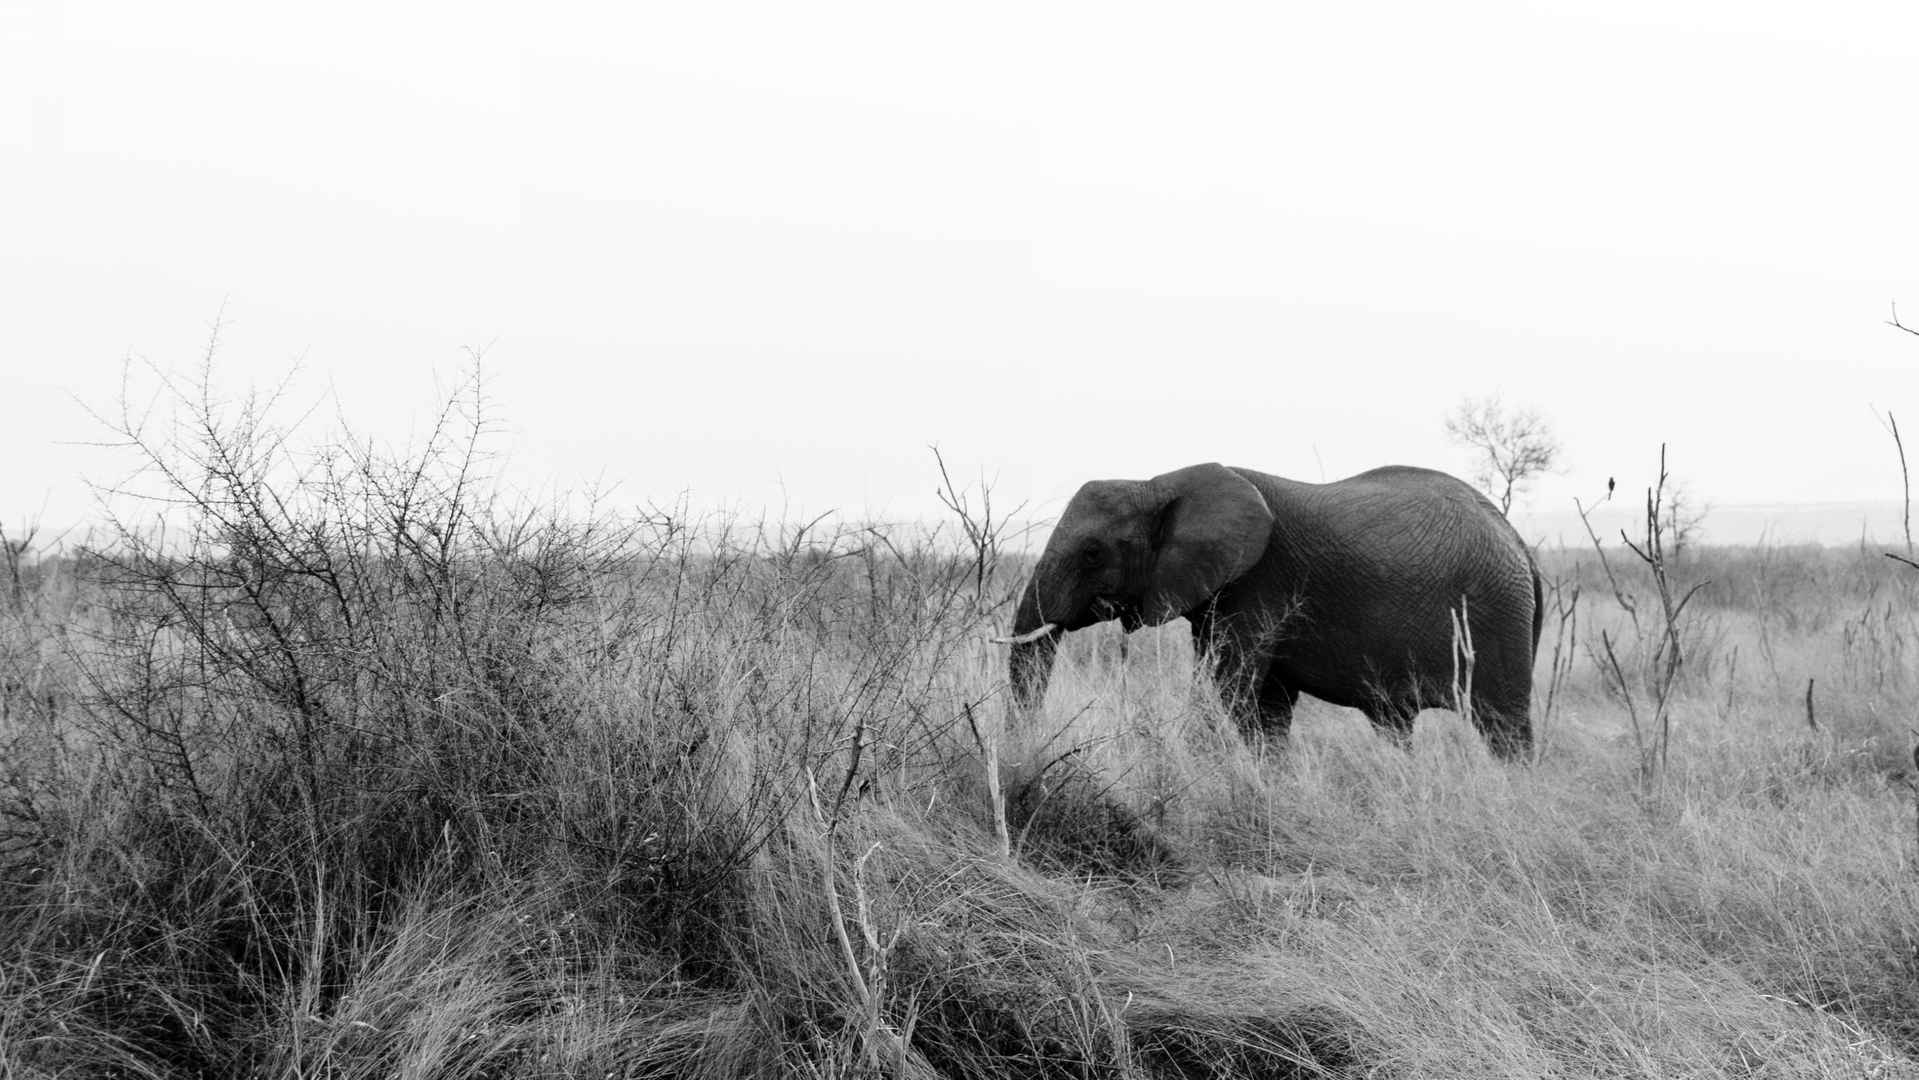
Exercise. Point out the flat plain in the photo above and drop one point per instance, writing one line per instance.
(369, 772)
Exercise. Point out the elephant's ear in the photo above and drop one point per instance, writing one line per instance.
(1213, 526)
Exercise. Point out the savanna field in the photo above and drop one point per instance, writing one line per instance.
(360, 768)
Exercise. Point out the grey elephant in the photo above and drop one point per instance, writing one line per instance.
(1347, 591)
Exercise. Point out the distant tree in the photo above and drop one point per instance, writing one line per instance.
(13, 556)
(1685, 516)
(1510, 446)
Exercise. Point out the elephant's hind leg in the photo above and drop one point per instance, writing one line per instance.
(1276, 700)
(1502, 707)
(1506, 726)
(1395, 719)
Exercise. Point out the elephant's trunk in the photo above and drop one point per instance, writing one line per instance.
(1029, 659)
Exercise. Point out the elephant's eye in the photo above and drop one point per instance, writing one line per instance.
(1089, 555)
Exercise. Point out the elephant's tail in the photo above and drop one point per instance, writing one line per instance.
(1539, 607)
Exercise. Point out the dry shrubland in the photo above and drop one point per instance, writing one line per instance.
(361, 769)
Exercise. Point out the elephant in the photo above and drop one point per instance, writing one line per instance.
(1347, 591)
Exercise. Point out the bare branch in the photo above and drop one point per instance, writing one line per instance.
(1619, 594)
(1891, 424)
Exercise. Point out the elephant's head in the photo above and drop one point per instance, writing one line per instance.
(1141, 551)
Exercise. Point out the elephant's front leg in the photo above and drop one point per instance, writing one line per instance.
(1258, 699)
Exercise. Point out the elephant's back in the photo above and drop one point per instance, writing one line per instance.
(1438, 520)
(1394, 550)
(1395, 518)
(1416, 484)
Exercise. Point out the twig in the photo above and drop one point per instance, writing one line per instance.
(1732, 680)
(1891, 424)
(989, 752)
(852, 768)
(1566, 630)
(863, 986)
(1625, 691)
(1894, 322)
(1463, 658)
(1605, 564)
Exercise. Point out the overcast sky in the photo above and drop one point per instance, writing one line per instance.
(765, 254)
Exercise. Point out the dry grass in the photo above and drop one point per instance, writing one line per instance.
(697, 799)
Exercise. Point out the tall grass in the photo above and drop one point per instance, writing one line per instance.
(359, 768)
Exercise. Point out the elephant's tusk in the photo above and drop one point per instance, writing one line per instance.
(1026, 639)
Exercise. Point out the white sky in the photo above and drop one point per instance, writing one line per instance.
(766, 254)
